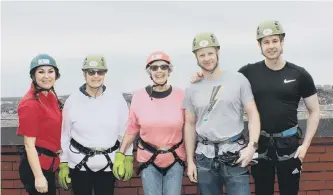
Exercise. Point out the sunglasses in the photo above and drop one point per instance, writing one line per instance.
(99, 72)
(155, 67)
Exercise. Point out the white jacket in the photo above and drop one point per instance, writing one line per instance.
(93, 122)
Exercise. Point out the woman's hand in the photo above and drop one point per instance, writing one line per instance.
(41, 184)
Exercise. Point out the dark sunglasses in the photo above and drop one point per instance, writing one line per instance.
(93, 72)
(155, 67)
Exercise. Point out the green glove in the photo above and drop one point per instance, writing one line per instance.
(119, 166)
(63, 175)
(128, 167)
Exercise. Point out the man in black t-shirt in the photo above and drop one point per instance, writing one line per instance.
(277, 86)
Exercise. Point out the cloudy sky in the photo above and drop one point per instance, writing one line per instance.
(127, 32)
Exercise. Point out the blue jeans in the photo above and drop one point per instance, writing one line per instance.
(154, 183)
(235, 179)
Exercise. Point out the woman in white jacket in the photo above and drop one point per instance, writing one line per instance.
(94, 122)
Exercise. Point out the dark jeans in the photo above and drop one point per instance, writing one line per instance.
(235, 179)
(83, 182)
(28, 178)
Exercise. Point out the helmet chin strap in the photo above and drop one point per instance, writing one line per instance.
(157, 84)
(95, 87)
(98, 88)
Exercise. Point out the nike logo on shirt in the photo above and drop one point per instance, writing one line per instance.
(289, 81)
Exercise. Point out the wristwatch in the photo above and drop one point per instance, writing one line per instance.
(254, 144)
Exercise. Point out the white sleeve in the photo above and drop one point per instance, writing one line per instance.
(123, 119)
(65, 131)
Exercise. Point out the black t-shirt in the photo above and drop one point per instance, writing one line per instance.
(277, 93)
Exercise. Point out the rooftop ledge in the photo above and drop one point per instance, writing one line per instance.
(9, 120)
(9, 137)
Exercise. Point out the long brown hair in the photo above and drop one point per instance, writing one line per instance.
(37, 89)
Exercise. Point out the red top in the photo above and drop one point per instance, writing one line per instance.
(41, 119)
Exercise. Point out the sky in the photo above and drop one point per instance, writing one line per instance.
(125, 33)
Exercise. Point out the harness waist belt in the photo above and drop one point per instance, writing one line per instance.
(41, 150)
(286, 133)
(152, 149)
(156, 152)
(225, 158)
(93, 151)
(205, 141)
(46, 152)
(89, 152)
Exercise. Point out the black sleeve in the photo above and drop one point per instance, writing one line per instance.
(307, 86)
(243, 70)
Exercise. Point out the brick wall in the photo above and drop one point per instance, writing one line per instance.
(316, 179)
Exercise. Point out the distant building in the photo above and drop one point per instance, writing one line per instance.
(328, 87)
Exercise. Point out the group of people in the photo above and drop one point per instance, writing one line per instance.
(89, 138)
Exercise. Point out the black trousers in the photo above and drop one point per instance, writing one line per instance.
(288, 171)
(84, 182)
(28, 179)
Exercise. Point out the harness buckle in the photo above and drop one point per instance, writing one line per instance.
(162, 151)
(98, 149)
(92, 153)
(59, 152)
(205, 142)
(289, 132)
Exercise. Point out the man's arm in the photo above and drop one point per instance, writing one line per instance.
(190, 135)
(308, 92)
(254, 121)
(250, 108)
(190, 142)
(312, 105)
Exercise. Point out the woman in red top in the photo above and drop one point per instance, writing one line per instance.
(40, 119)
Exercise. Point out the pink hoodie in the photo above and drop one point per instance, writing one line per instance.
(160, 123)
